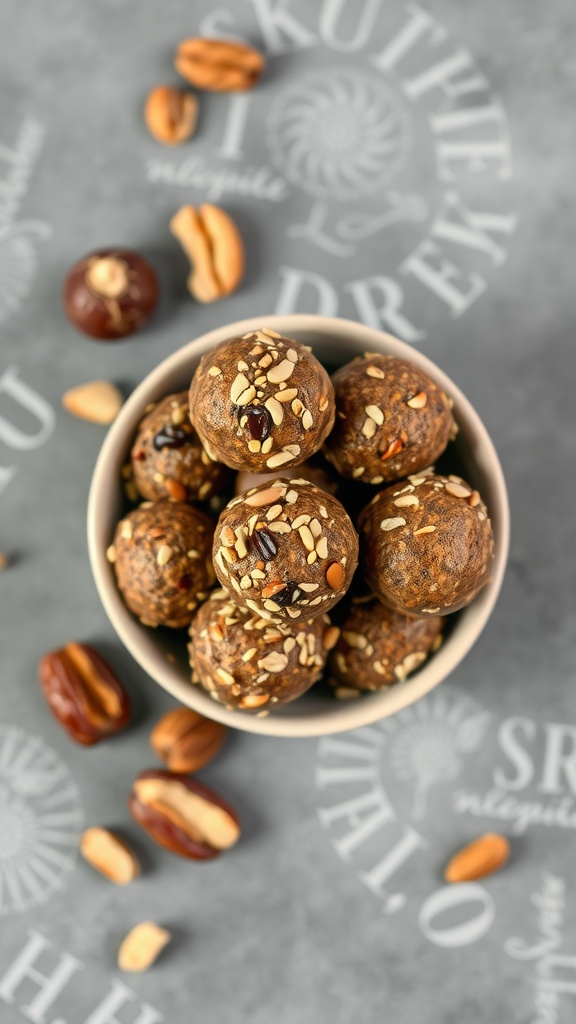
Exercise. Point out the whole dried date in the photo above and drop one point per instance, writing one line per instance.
(110, 293)
(83, 693)
(182, 815)
(185, 740)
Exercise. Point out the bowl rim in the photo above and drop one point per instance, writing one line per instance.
(343, 715)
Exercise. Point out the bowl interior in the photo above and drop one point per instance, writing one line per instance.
(161, 653)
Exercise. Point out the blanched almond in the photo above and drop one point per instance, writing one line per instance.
(98, 401)
(109, 855)
(142, 947)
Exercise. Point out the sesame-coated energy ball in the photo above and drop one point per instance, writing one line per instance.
(427, 544)
(162, 557)
(378, 647)
(261, 402)
(391, 419)
(168, 460)
(285, 550)
(247, 662)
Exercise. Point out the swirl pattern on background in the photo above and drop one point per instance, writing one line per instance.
(339, 134)
(41, 818)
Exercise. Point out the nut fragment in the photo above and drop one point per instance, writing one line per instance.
(109, 855)
(185, 740)
(214, 247)
(480, 858)
(83, 693)
(182, 815)
(218, 65)
(171, 114)
(98, 401)
(142, 947)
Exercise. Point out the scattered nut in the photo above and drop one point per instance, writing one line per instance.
(171, 114)
(4, 561)
(185, 740)
(98, 401)
(83, 693)
(110, 293)
(182, 815)
(480, 858)
(219, 65)
(214, 247)
(109, 855)
(142, 947)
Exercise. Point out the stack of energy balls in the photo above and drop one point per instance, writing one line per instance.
(285, 549)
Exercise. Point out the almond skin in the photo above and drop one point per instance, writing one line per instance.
(481, 858)
(98, 401)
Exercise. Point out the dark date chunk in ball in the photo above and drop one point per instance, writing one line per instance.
(162, 558)
(378, 647)
(261, 402)
(247, 662)
(427, 544)
(391, 419)
(168, 459)
(110, 294)
(285, 550)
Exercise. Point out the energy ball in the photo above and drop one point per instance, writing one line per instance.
(307, 471)
(244, 661)
(285, 550)
(378, 647)
(427, 544)
(162, 557)
(391, 419)
(261, 402)
(168, 460)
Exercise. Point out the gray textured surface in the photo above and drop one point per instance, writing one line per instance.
(285, 927)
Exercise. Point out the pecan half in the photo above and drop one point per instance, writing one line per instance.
(218, 65)
(83, 693)
(182, 815)
(185, 740)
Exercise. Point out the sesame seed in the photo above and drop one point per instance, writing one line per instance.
(214, 371)
(369, 428)
(375, 413)
(424, 529)
(374, 371)
(392, 524)
(357, 472)
(406, 499)
(164, 554)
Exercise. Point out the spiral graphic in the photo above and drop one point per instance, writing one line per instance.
(339, 133)
(40, 820)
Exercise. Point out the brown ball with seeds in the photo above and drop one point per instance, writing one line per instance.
(245, 661)
(378, 647)
(261, 402)
(168, 460)
(162, 558)
(285, 550)
(391, 419)
(427, 544)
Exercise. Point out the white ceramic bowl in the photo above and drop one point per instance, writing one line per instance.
(334, 342)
